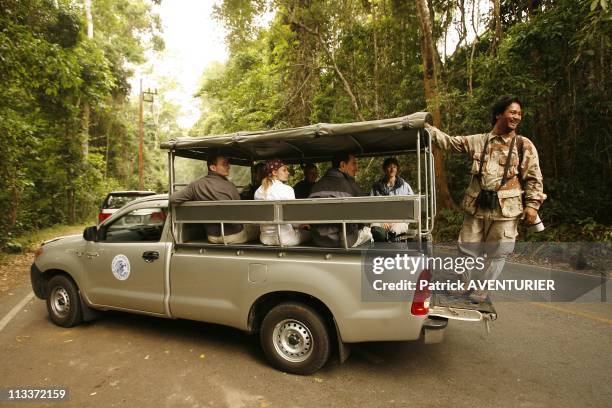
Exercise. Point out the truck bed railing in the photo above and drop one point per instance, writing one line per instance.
(350, 210)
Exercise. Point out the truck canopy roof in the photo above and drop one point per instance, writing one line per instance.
(312, 143)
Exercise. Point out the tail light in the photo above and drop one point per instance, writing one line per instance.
(158, 216)
(422, 295)
(102, 216)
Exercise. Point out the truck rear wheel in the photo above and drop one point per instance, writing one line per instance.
(63, 302)
(295, 338)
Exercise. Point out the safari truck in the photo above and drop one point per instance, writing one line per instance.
(304, 302)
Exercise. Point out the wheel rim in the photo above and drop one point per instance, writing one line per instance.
(60, 301)
(292, 340)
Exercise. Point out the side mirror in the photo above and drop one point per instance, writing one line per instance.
(90, 233)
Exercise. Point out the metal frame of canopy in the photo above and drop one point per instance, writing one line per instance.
(319, 142)
(313, 143)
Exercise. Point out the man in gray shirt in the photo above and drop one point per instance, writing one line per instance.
(215, 187)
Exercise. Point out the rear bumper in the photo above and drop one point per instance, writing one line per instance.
(433, 330)
(38, 283)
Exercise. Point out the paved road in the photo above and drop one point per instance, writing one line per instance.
(538, 355)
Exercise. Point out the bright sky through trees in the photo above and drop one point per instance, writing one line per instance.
(193, 40)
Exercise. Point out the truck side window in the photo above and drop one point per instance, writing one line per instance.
(143, 224)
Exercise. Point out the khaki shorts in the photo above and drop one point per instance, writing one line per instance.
(493, 237)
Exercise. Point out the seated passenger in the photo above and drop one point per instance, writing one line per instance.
(390, 185)
(215, 187)
(302, 189)
(258, 172)
(339, 181)
(273, 188)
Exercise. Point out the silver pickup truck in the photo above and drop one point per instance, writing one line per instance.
(305, 302)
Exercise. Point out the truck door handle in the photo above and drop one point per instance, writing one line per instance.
(150, 256)
(91, 255)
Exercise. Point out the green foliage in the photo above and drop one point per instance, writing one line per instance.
(238, 17)
(290, 74)
(31, 240)
(244, 94)
(50, 70)
(316, 61)
(566, 108)
(554, 54)
(447, 225)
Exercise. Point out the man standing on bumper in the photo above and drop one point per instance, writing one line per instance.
(491, 230)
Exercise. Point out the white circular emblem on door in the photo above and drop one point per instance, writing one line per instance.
(121, 267)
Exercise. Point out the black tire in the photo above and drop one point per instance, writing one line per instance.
(295, 338)
(64, 302)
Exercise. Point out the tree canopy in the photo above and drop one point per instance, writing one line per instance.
(341, 61)
(70, 133)
(50, 70)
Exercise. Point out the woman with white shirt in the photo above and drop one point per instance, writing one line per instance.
(273, 188)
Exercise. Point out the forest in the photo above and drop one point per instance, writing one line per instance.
(69, 128)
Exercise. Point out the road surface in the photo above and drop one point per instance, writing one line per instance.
(539, 354)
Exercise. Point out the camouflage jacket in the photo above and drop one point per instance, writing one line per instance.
(510, 201)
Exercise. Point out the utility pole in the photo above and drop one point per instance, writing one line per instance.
(145, 96)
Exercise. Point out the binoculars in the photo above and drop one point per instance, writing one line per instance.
(487, 200)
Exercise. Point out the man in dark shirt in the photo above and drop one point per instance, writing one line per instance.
(215, 187)
(339, 181)
(302, 189)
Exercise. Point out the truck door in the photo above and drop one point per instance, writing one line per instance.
(125, 267)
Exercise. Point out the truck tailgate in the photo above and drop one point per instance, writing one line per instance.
(461, 308)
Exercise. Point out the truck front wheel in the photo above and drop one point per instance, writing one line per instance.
(63, 302)
(295, 338)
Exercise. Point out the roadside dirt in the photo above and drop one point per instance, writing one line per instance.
(15, 271)
(15, 268)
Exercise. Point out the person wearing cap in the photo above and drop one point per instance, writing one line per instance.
(273, 187)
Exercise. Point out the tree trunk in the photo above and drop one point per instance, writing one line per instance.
(498, 26)
(463, 31)
(347, 86)
(471, 68)
(71, 205)
(376, 70)
(475, 24)
(86, 112)
(430, 83)
(106, 154)
(16, 202)
(85, 131)
(89, 18)
(300, 83)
